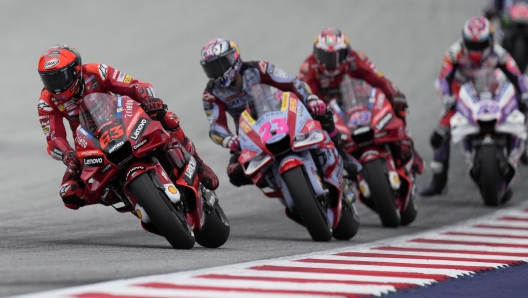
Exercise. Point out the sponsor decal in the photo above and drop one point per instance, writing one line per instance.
(46, 129)
(245, 127)
(51, 63)
(61, 108)
(191, 168)
(81, 141)
(103, 71)
(94, 85)
(379, 101)
(83, 131)
(54, 53)
(127, 79)
(129, 106)
(133, 170)
(115, 74)
(140, 144)
(89, 79)
(139, 129)
(108, 166)
(384, 121)
(116, 146)
(233, 103)
(150, 92)
(121, 77)
(95, 161)
(361, 130)
(172, 189)
(74, 85)
(44, 106)
(293, 105)
(44, 117)
(64, 189)
(44, 123)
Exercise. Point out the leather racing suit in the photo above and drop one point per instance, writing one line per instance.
(457, 69)
(326, 84)
(232, 99)
(52, 111)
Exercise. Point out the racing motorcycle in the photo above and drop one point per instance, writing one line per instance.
(372, 133)
(124, 151)
(515, 30)
(492, 129)
(284, 147)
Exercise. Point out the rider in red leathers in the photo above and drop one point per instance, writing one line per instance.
(332, 59)
(228, 91)
(66, 80)
(476, 50)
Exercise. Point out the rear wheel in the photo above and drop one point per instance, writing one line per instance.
(410, 213)
(489, 177)
(215, 231)
(169, 221)
(382, 193)
(348, 224)
(306, 204)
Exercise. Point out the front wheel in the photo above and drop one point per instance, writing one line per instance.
(348, 225)
(489, 177)
(169, 221)
(306, 204)
(215, 230)
(382, 193)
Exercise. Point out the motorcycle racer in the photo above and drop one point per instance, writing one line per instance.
(227, 91)
(66, 80)
(333, 59)
(476, 50)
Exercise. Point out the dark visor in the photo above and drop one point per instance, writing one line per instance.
(331, 59)
(59, 81)
(217, 67)
(477, 46)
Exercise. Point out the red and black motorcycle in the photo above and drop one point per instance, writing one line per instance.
(374, 136)
(124, 151)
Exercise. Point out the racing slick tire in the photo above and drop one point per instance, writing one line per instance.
(169, 221)
(348, 224)
(410, 213)
(306, 204)
(489, 177)
(215, 231)
(381, 193)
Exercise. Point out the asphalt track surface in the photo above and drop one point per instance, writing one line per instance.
(44, 245)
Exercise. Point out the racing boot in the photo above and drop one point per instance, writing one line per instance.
(207, 177)
(438, 185)
(349, 165)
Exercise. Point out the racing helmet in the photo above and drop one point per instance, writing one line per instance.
(477, 38)
(60, 71)
(221, 61)
(331, 49)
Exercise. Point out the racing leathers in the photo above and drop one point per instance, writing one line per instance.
(457, 69)
(326, 84)
(232, 99)
(52, 111)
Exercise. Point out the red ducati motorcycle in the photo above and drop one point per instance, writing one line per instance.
(124, 151)
(374, 135)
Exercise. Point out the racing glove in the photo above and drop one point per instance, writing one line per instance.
(73, 163)
(154, 106)
(231, 142)
(399, 102)
(315, 105)
(449, 102)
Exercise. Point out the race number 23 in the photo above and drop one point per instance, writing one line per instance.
(109, 134)
(280, 127)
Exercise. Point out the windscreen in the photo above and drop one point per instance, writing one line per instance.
(96, 109)
(353, 94)
(485, 82)
(262, 100)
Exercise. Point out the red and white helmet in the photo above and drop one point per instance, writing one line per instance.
(60, 70)
(331, 49)
(477, 36)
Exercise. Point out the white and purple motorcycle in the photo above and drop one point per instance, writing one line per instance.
(282, 144)
(493, 130)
